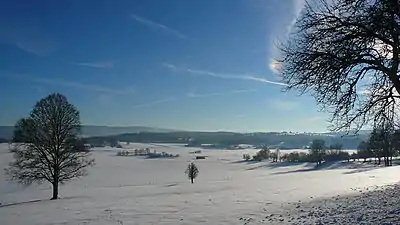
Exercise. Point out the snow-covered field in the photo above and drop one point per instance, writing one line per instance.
(133, 190)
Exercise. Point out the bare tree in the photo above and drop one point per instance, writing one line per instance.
(364, 150)
(192, 171)
(317, 151)
(49, 148)
(382, 137)
(346, 54)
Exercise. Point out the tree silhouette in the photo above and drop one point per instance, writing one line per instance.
(364, 150)
(317, 151)
(382, 141)
(49, 148)
(346, 54)
(192, 171)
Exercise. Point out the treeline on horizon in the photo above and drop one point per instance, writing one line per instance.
(226, 139)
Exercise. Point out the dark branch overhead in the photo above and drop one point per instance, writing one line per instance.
(345, 53)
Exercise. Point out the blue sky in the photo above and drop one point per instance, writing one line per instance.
(193, 65)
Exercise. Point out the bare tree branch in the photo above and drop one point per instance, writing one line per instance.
(339, 47)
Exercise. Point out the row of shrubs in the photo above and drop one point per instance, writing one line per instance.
(123, 153)
(327, 156)
(146, 152)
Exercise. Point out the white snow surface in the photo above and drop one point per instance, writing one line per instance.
(135, 190)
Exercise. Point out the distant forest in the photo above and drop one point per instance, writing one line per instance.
(100, 136)
(226, 139)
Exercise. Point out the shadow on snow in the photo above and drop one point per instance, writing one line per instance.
(22, 203)
(354, 167)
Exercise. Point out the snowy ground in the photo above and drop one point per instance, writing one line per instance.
(370, 206)
(131, 190)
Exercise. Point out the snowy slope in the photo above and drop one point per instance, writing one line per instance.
(132, 190)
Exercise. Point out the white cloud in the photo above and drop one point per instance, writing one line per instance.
(222, 75)
(148, 104)
(260, 79)
(159, 26)
(102, 65)
(170, 66)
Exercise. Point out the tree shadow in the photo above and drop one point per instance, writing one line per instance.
(274, 165)
(23, 203)
(256, 167)
(361, 170)
(248, 162)
(286, 164)
(354, 167)
(296, 171)
(39, 200)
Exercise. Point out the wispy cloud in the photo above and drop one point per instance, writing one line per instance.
(39, 48)
(28, 37)
(283, 34)
(283, 105)
(298, 6)
(90, 87)
(194, 95)
(169, 66)
(155, 103)
(159, 26)
(101, 65)
(222, 75)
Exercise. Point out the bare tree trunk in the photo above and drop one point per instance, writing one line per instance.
(191, 179)
(55, 184)
(55, 191)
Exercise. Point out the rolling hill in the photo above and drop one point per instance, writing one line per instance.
(90, 131)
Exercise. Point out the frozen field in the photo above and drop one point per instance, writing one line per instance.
(132, 190)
